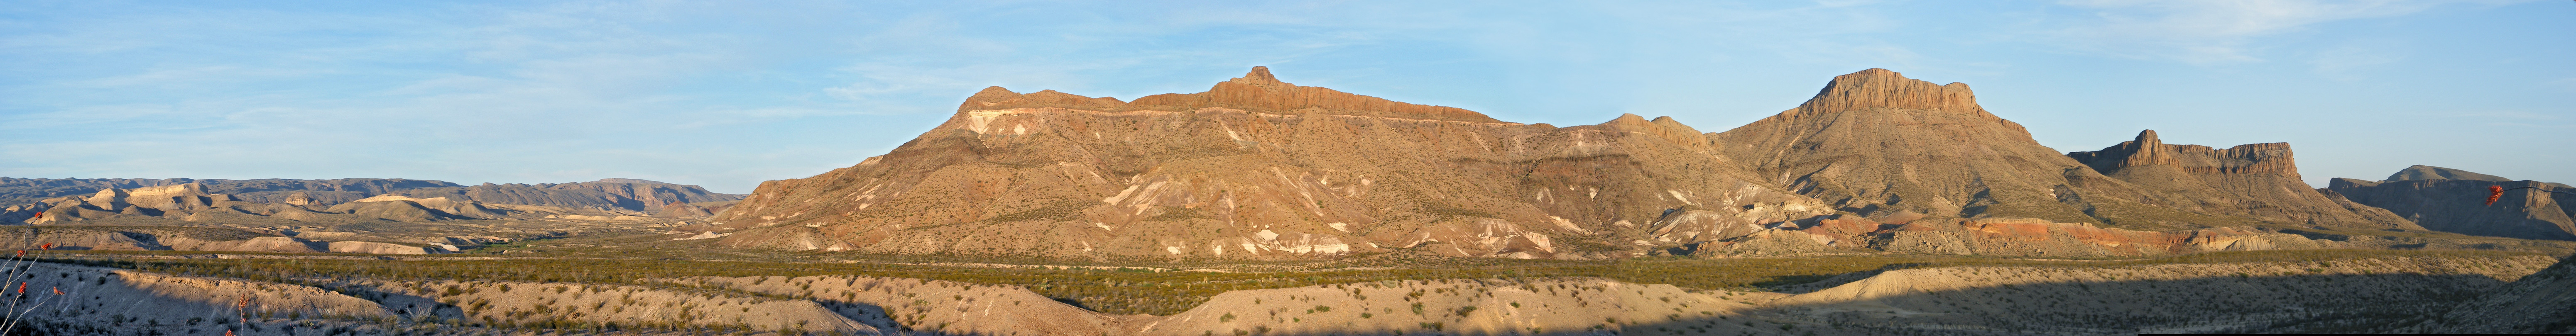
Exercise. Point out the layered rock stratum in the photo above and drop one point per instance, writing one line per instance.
(1259, 168)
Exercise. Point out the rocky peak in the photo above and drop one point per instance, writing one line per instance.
(1260, 76)
(1661, 127)
(2146, 150)
(993, 94)
(1880, 88)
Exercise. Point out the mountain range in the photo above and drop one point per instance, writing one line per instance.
(1260, 207)
(386, 216)
(1258, 168)
(604, 194)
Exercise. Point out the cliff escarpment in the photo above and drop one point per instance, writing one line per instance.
(2260, 181)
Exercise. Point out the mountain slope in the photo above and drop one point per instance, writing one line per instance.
(2260, 181)
(2540, 303)
(1875, 140)
(1262, 169)
(1257, 168)
(2459, 205)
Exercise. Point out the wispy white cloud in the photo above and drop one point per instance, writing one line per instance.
(734, 93)
(2207, 31)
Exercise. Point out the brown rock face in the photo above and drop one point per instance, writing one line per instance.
(1256, 168)
(2459, 206)
(2258, 181)
(2148, 151)
(1880, 88)
(1877, 140)
(1259, 168)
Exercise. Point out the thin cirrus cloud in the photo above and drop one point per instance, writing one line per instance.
(2207, 31)
(728, 94)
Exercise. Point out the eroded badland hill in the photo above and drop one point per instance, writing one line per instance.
(1884, 205)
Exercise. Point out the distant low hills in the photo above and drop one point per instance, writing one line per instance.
(398, 216)
(627, 194)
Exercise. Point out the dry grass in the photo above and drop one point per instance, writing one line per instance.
(1144, 291)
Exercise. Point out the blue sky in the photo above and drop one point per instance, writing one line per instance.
(728, 94)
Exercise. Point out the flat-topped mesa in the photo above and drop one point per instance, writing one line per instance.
(2147, 150)
(1880, 88)
(1257, 91)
